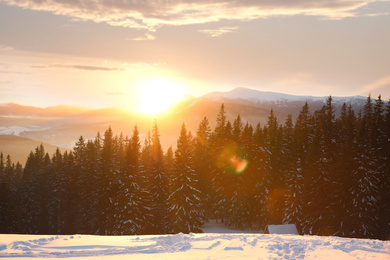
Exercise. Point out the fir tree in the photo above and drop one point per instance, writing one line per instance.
(146, 184)
(159, 186)
(366, 182)
(219, 174)
(81, 187)
(57, 192)
(293, 212)
(3, 197)
(202, 166)
(108, 183)
(131, 219)
(303, 138)
(91, 195)
(345, 164)
(273, 146)
(385, 178)
(6, 203)
(185, 209)
(69, 205)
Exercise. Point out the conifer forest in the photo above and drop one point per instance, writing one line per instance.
(328, 174)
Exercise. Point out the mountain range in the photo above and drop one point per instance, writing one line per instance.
(62, 125)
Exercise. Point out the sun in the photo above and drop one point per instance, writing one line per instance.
(156, 95)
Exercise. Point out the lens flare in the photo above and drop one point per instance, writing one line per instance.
(238, 164)
(232, 159)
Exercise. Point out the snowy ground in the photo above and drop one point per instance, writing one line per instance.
(217, 245)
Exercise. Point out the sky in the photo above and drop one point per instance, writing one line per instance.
(99, 53)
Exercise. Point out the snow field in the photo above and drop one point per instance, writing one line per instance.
(193, 246)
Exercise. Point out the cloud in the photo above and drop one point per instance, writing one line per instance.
(12, 72)
(77, 67)
(5, 48)
(377, 14)
(146, 37)
(126, 68)
(5, 82)
(378, 85)
(219, 31)
(151, 14)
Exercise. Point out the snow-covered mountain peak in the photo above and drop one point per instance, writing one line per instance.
(256, 96)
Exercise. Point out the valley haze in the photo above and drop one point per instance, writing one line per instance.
(61, 126)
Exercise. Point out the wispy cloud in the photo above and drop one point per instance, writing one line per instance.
(146, 37)
(77, 67)
(5, 48)
(380, 84)
(219, 31)
(12, 72)
(126, 68)
(5, 82)
(376, 14)
(151, 14)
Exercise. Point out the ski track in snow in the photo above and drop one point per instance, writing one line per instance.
(194, 246)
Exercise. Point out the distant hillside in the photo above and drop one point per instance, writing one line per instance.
(257, 96)
(19, 147)
(62, 125)
(12, 109)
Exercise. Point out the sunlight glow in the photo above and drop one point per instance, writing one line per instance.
(156, 95)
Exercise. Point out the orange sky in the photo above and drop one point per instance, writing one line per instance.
(98, 53)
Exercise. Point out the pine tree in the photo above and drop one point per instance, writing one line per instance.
(203, 165)
(3, 197)
(317, 181)
(108, 183)
(16, 184)
(33, 197)
(57, 192)
(169, 163)
(131, 219)
(378, 141)
(273, 145)
(7, 204)
(185, 209)
(81, 187)
(303, 138)
(346, 164)
(365, 213)
(68, 205)
(146, 184)
(325, 208)
(294, 202)
(240, 202)
(219, 173)
(159, 186)
(385, 178)
(92, 188)
(45, 186)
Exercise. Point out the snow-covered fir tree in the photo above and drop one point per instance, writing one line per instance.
(203, 166)
(130, 219)
(185, 206)
(158, 186)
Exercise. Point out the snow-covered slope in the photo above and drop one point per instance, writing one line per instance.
(193, 246)
(258, 97)
(219, 245)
